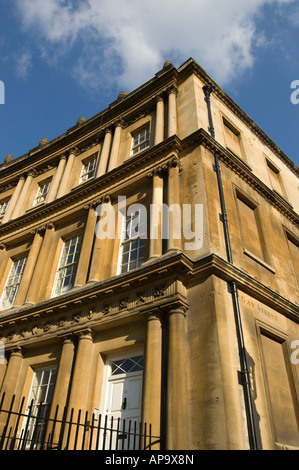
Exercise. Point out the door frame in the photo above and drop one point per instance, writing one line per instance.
(107, 374)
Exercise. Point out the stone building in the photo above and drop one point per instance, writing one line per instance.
(185, 317)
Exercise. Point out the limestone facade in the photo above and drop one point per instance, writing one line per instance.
(72, 303)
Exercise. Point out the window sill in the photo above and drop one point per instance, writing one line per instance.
(282, 198)
(259, 260)
(35, 206)
(241, 158)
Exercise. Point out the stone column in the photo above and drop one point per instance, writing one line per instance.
(80, 380)
(99, 254)
(23, 195)
(172, 111)
(10, 382)
(40, 271)
(104, 157)
(56, 179)
(177, 397)
(151, 402)
(113, 161)
(3, 366)
(79, 388)
(87, 244)
(4, 261)
(29, 267)
(62, 384)
(159, 128)
(155, 249)
(64, 185)
(174, 241)
(2, 256)
(14, 199)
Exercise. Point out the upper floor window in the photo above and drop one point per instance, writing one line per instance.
(293, 244)
(42, 192)
(232, 138)
(13, 282)
(88, 170)
(275, 178)
(140, 140)
(67, 267)
(132, 242)
(3, 207)
(251, 227)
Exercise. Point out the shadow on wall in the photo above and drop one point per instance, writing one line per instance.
(256, 416)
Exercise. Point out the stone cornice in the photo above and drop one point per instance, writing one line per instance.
(141, 163)
(137, 101)
(145, 162)
(160, 284)
(191, 66)
(239, 167)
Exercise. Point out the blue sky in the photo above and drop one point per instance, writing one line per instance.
(62, 59)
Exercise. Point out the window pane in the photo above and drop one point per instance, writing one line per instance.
(140, 140)
(66, 272)
(131, 364)
(132, 255)
(88, 170)
(3, 207)
(13, 282)
(42, 192)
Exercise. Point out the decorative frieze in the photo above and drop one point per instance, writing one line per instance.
(162, 169)
(52, 323)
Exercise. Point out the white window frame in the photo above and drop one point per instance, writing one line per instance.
(43, 189)
(3, 207)
(67, 265)
(131, 243)
(39, 397)
(88, 169)
(13, 282)
(140, 140)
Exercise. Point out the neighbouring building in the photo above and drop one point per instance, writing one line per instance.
(149, 270)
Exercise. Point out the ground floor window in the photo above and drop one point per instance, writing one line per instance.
(39, 403)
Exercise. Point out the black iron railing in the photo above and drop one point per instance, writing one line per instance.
(35, 429)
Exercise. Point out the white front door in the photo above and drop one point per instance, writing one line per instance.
(123, 394)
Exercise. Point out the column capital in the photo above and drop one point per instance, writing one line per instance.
(172, 89)
(22, 177)
(84, 334)
(154, 314)
(108, 130)
(73, 151)
(159, 170)
(177, 307)
(67, 338)
(175, 162)
(106, 199)
(32, 173)
(119, 123)
(48, 226)
(40, 230)
(16, 351)
(159, 97)
(3, 246)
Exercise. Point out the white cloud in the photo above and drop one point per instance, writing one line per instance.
(23, 64)
(130, 39)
